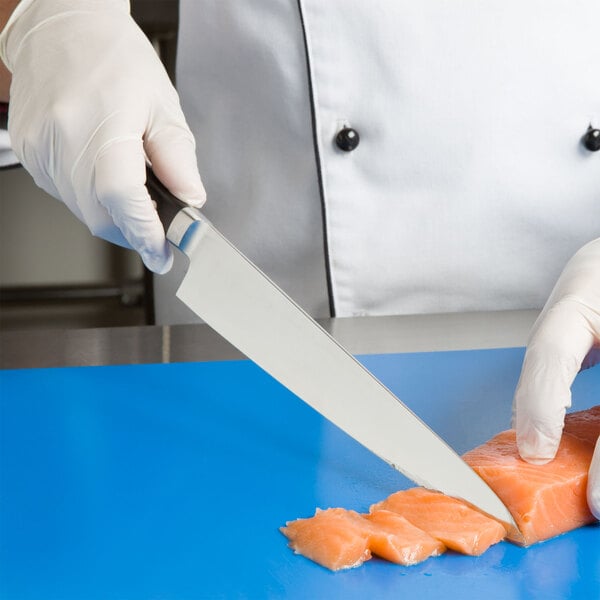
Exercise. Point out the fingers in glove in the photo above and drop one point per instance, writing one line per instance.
(560, 342)
(120, 176)
(171, 150)
(593, 487)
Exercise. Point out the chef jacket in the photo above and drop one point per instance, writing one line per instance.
(395, 157)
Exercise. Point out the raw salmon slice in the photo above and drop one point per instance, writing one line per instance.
(545, 500)
(399, 541)
(335, 538)
(341, 539)
(451, 521)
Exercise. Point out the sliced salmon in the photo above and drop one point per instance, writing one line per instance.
(399, 541)
(545, 500)
(341, 539)
(451, 521)
(335, 538)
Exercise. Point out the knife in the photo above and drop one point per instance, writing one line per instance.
(229, 293)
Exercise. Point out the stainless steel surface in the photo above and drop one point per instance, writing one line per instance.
(190, 343)
(433, 332)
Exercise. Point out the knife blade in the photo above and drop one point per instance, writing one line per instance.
(234, 297)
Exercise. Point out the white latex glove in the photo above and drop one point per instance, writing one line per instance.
(565, 339)
(89, 102)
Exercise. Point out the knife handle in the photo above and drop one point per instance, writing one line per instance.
(180, 220)
(167, 205)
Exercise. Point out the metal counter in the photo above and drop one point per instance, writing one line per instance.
(198, 343)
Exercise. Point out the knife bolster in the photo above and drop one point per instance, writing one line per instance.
(182, 231)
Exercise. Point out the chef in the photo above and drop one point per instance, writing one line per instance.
(373, 158)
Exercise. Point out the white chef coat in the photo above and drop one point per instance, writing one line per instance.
(470, 187)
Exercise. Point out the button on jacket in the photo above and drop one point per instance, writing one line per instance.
(395, 157)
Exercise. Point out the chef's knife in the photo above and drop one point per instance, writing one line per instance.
(240, 303)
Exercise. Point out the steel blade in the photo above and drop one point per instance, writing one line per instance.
(245, 307)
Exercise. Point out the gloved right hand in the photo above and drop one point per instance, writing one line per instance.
(90, 102)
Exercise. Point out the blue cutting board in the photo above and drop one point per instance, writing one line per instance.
(171, 481)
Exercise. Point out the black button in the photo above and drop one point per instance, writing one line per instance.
(347, 139)
(591, 140)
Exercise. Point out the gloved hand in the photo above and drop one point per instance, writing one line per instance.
(565, 339)
(90, 102)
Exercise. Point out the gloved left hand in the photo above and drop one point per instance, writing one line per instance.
(565, 339)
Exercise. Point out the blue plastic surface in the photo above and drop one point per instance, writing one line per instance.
(171, 481)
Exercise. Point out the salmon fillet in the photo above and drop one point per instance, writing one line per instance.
(337, 538)
(411, 525)
(545, 500)
(451, 521)
(584, 424)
